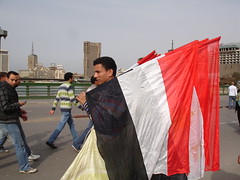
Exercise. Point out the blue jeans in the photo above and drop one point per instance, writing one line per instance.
(79, 141)
(66, 118)
(232, 101)
(13, 132)
(3, 138)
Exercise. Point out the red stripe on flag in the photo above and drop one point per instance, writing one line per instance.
(178, 68)
(207, 87)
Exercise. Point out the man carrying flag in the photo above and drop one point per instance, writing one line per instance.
(153, 119)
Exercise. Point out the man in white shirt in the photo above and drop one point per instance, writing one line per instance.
(232, 93)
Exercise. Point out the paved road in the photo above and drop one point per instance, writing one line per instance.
(54, 163)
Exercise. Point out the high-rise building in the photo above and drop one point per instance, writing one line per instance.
(92, 51)
(4, 64)
(32, 60)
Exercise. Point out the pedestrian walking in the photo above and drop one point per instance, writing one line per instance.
(77, 144)
(237, 109)
(65, 96)
(9, 116)
(3, 138)
(232, 93)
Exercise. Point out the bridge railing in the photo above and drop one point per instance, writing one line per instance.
(49, 90)
(223, 90)
(45, 90)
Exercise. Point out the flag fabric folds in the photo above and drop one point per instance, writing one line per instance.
(161, 117)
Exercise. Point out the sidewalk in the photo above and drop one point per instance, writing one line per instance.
(53, 163)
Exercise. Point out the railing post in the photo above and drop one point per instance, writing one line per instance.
(27, 90)
(48, 91)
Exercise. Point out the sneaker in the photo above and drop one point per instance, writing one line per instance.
(77, 150)
(29, 171)
(3, 150)
(33, 157)
(51, 145)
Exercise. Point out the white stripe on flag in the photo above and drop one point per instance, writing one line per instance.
(196, 141)
(145, 95)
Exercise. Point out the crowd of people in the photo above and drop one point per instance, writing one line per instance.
(11, 112)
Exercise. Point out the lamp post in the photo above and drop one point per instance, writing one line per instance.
(3, 33)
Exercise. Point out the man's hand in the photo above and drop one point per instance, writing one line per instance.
(23, 111)
(81, 97)
(24, 117)
(22, 103)
(51, 112)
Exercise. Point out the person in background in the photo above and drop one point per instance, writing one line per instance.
(31, 156)
(66, 97)
(239, 159)
(237, 108)
(3, 76)
(9, 116)
(79, 141)
(232, 93)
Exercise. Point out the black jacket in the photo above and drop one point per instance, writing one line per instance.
(9, 106)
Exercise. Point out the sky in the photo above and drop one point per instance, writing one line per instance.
(127, 29)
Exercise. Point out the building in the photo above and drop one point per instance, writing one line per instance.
(230, 53)
(229, 58)
(24, 73)
(4, 64)
(59, 72)
(32, 60)
(92, 51)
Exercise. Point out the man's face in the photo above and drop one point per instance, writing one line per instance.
(13, 80)
(18, 82)
(71, 80)
(101, 74)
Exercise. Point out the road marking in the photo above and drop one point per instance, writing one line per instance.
(229, 122)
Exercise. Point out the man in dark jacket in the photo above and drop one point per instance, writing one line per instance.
(9, 116)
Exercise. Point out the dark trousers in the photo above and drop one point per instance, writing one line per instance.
(24, 138)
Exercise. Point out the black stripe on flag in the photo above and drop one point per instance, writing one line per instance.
(116, 136)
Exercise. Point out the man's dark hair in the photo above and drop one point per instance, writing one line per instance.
(68, 76)
(107, 63)
(3, 74)
(93, 79)
(12, 72)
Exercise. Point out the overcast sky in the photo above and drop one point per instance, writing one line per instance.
(127, 29)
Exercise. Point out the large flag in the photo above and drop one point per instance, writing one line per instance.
(154, 119)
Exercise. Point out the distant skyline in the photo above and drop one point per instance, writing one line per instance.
(127, 29)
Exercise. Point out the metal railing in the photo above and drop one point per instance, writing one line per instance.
(223, 90)
(49, 90)
(45, 90)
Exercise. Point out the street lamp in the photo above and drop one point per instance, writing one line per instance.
(3, 33)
